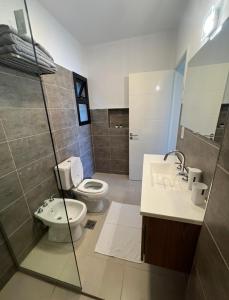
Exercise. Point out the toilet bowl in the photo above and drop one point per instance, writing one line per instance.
(90, 191)
(53, 214)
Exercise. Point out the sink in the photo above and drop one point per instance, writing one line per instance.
(164, 194)
(163, 168)
(164, 176)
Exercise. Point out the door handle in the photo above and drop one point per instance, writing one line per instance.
(132, 135)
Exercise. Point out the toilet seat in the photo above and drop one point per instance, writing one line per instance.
(92, 186)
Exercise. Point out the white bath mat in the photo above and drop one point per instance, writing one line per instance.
(121, 233)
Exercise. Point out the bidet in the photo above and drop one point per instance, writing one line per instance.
(54, 215)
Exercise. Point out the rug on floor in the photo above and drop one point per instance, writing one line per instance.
(121, 233)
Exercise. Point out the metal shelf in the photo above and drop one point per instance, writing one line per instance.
(16, 61)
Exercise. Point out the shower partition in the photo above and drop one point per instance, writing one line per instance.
(28, 158)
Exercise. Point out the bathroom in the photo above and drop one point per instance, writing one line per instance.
(90, 206)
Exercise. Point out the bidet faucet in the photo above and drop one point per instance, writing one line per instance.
(183, 170)
(52, 197)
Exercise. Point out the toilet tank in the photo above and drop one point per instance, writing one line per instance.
(71, 173)
(65, 174)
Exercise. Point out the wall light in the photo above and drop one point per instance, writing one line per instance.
(211, 22)
(157, 88)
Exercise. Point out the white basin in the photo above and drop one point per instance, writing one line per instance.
(165, 176)
(164, 194)
(163, 168)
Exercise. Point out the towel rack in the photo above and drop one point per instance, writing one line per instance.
(16, 61)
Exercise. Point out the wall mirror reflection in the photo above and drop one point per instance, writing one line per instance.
(206, 96)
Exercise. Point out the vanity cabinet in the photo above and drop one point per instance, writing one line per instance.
(169, 244)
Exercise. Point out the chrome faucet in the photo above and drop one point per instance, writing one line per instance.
(180, 155)
(52, 197)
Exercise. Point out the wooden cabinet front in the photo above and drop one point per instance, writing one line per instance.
(169, 244)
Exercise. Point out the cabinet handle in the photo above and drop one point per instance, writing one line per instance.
(143, 241)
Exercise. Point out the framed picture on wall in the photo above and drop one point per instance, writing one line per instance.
(82, 99)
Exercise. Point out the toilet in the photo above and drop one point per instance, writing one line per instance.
(53, 214)
(90, 191)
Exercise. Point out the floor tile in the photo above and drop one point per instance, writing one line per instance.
(100, 277)
(53, 259)
(147, 285)
(24, 287)
(69, 272)
(64, 294)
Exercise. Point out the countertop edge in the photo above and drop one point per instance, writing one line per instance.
(189, 221)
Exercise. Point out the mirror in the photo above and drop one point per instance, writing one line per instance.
(206, 95)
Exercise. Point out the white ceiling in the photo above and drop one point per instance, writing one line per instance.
(98, 21)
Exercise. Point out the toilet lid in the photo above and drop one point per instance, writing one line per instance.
(76, 171)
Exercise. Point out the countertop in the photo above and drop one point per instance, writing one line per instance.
(162, 203)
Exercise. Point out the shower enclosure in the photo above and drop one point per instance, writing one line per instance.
(28, 137)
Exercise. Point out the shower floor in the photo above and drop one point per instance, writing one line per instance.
(104, 276)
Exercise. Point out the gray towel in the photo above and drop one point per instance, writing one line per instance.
(22, 45)
(27, 54)
(8, 29)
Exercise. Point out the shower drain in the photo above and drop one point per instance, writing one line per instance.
(90, 224)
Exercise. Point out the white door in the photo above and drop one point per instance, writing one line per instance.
(150, 101)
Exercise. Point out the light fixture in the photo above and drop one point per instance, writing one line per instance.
(157, 88)
(211, 22)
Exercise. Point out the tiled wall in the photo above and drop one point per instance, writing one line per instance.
(26, 158)
(199, 153)
(110, 145)
(26, 153)
(7, 267)
(70, 138)
(210, 274)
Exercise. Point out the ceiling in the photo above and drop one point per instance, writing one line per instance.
(99, 21)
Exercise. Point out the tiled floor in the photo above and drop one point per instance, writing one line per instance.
(103, 276)
(55, 260)
(24, 287)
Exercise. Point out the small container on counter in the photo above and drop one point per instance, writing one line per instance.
(194, 175)
(199, 193)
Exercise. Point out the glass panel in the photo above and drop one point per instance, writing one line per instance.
(80, 89)
(83, 112)
(33, 213)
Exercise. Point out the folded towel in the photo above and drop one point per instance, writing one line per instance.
(7, 49)
(9, 29)
(22, 45)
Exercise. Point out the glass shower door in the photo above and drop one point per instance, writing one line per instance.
(28, 185)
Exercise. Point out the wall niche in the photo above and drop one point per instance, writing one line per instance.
(118, 117)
